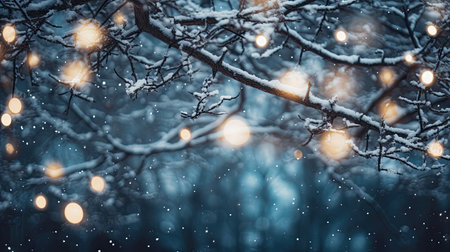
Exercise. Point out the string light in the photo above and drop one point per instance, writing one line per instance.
(185, 134)
(33, 60)
(427, 77)
(40, 202)
(236, 132)
(298, 154)
(333, 144)
(73, 213)
(387, 76)
(97, 184)
(9, 148)
(119, 18)
(88, 35)
(388, 110)
(409, 58)
(9, 33)
(297, 79)
(341, 35)
(54, 170)
(435, 149)
(6, 119)
(76, 74)
(261, 41)
(432, 30)
(15, 105)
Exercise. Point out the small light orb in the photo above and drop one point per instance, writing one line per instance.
(76, 74)
(387, 76)
(296, 79)
(298, 154)
(185, 134)
(334, 144)
(341, 35)
(432, 30)
(33, 60)
(435, 149)
(54, 170)
(97, 184)
(261, 41)
(88, 35)
(73, 213)
(9, 148)
(119, 18)
(6, 119)
(15, 105)
(388, 110)
(40, 202)
(409, 58)
(427, 77)
(9, 33)
(236, 132)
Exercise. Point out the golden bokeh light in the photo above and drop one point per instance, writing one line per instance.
(298, 154)
(97, 184)
(88, 35)
(432, 30)
(15, 105)
(40, 202)
(185, 134)
(119, 18)
(341, 35)
(435, 149)
(73, 213)
(9, 33)
(339, 85)
(296, 79)
(54, 170)
(409, 58)
(388, 110)
(33, 60)
(387, 76)
(334, 145)
(76, 74)
(427, 77)
(9, 148)
(6, 119)
(236, 132)
(261, 41)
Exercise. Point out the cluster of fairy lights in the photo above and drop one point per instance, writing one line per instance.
(89, 35)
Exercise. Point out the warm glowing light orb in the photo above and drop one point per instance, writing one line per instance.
(76, 74)
(435, 149)
(432, 30)
(119, 18)
(388, 110)
(40, 202)
(9, 148)
(9, 33)
(296, 79)
(334, 145)
(261, 41)
(15, 105)
(298, 154)
(88, 35)
(236, 132)
(33, 60)
(387, 76)
(73, 213)
(97, 184)
(6, 119)
(185, 134)
(54, 170)
(427, 77)
(340, 35)
(409, 58)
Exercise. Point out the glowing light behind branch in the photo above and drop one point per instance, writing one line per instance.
(298, 154)
(40, 202)
(88, 35)
(54, 170)
(432, 30)
(387, 76)
(435, 149)
(427, 77)
(341, 35)
(73, 213)
(6, 119)
(9, 147)
(185, 134)
(261, 41)
(334, 145)
(236, 132)
(119, 18)
(97, 184)
(76, 74)
(33, 60)
(15, 105)
(297, 79)
(388, 110)
(9, 33)
(409, 58)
